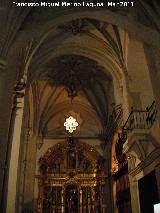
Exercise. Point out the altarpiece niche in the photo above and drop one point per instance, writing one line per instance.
(71, 179)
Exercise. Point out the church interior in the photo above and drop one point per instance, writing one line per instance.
(80, 108)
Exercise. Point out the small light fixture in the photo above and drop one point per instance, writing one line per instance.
(71, 124)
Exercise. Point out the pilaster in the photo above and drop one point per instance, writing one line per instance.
(134, 194)
(30, 166)
(3, 64)
(15, 151)
(3, 168)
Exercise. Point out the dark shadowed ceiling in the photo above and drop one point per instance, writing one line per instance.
(75, 60)
(72, 85)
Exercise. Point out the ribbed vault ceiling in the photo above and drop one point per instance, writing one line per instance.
(71, 59)
(81, 71)
(52, 101)
(85, 49)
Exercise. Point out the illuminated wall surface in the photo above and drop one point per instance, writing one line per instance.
(157, 208)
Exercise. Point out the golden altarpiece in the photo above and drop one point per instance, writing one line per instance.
(71, 179)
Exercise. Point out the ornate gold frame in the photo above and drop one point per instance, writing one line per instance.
(91, 181)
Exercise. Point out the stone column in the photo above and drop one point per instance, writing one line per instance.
(152, 54)
(135, 204)
(3, 128)
(2, 76)
(29, 180)
(115, 209)
(134, 194)
(14, 157)
(130, 154)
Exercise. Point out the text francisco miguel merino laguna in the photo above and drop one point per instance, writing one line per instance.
(58, 4)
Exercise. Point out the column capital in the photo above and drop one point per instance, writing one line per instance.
(131, 162)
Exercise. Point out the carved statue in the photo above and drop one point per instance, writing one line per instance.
(71, 160)
(87, 166)
(97, 205)
(72, 201)
(43, 165)
(47, 205)
(80, 155)
(56, 166)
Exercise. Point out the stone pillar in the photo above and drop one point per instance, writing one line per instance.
(157, 172)
(152, 54)
(131, 156)
(14, 157)
(3, 145)
(134, 194)
(115, 209)
(40, 196)
(2, 76)
(29, 180)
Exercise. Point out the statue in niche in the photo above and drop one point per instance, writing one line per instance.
(43, 165)
(71, 159)
(72, 201)
(57, 166)
(97, 203)
(99, 164)
(80, 155)
(47, 203)
(57, 162)
(70, 141)
(87, 166)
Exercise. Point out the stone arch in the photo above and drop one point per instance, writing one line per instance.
(102, 59)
